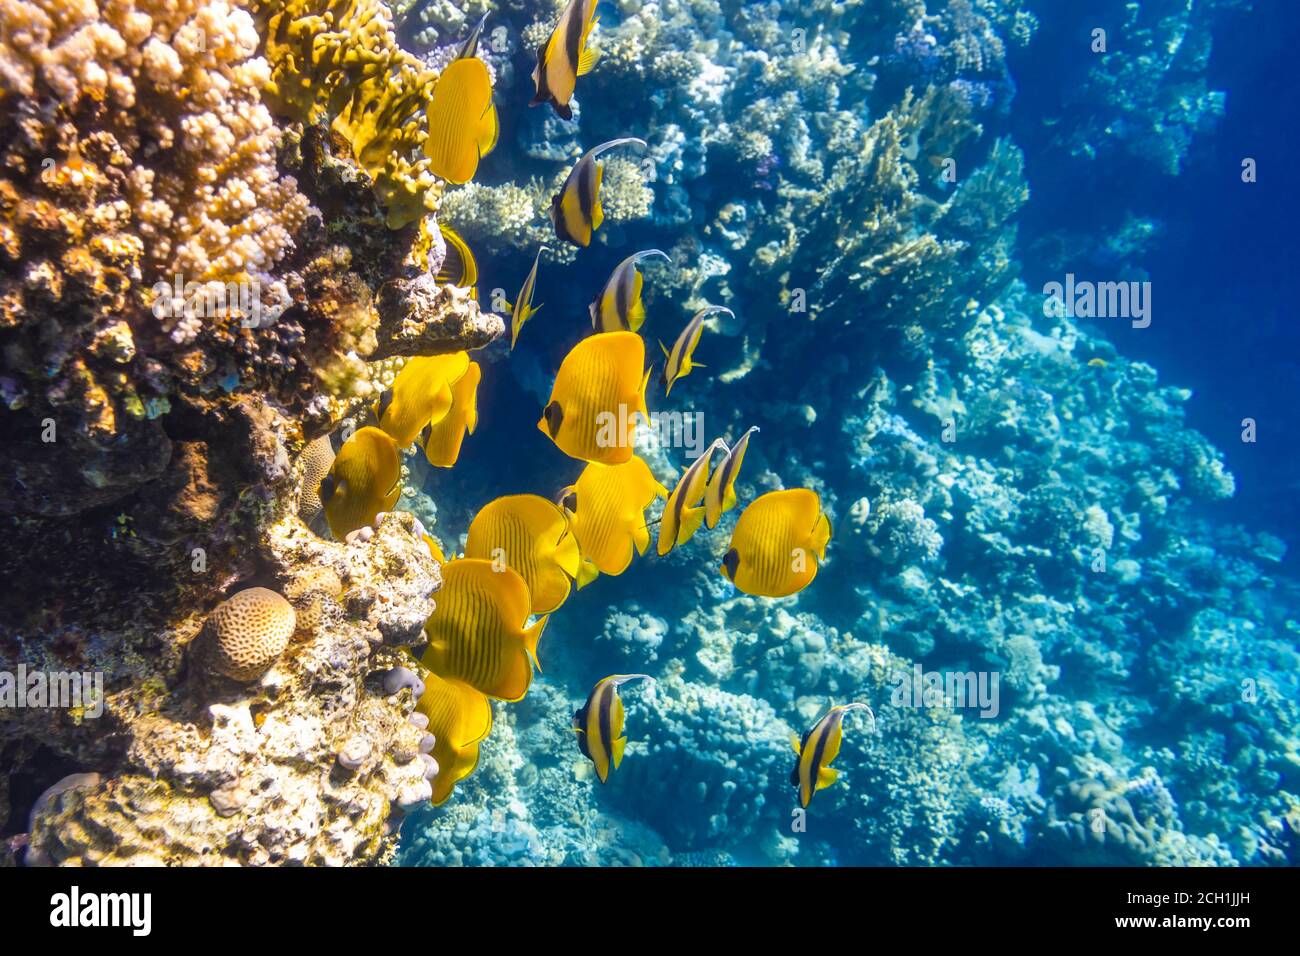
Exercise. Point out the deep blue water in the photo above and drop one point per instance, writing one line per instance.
(1223, 266)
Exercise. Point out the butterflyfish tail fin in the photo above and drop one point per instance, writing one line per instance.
(821, 536)
(587, 572)
(567, 556)
(587, 61)
(532, 636)
(616, 750)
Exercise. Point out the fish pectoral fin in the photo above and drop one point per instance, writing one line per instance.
(794, 742)
(825, 777)
(665, 348)
(616, 750)
(691, 520)
(587, 61)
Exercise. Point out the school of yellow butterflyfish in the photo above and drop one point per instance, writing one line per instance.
(524, 552)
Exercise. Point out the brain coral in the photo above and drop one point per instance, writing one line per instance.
(250, 631)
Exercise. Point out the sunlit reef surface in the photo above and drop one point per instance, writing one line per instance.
(1013, 496)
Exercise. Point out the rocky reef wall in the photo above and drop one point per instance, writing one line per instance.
(197, 279)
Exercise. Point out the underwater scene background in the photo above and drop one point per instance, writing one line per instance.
(1006, 283)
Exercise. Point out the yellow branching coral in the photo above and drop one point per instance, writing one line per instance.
(339, 60)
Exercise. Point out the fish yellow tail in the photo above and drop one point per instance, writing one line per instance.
(587, 572)
(532, 636)
(821, 536)
(567, 556)
(616, 750)
(640, 397)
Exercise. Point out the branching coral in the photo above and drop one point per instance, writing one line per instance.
(338, 60)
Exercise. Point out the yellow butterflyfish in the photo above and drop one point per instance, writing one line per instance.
(720, 496)
(461, 117)
(816, 749)
(608, 505)
(678, 362)
(619, 304)
(477, 631)
(682, 512)
(422, 393)
(564, 57)
(778, 540)
(530, 535)
(441, 440)
(598, 392)
(523, 309)
(599, 724)
(365, 479)
(575, 211)
(460, 719)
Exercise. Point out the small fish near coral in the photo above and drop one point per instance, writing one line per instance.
(599, 724)
(576, 212)
(818, 748)
(564, 57)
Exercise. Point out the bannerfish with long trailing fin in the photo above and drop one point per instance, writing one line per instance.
(720, 496)
(576, 212)
(365, 479)
(523, 309)
(817, 748)
(777, 543)
(599, 389)
(460, 719)
(477, 631)
(599, 724)
(619, 304)
(678, 362)
(459, 267)
(530, 535)
(564, 57)
(682, 512)
(422, 392)
(608, 505)
(442, 440)
(461, 117)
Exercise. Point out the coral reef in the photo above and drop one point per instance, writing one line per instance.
(1011, 497)
(192, 292)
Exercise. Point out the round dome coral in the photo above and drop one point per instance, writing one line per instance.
(250, 631)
